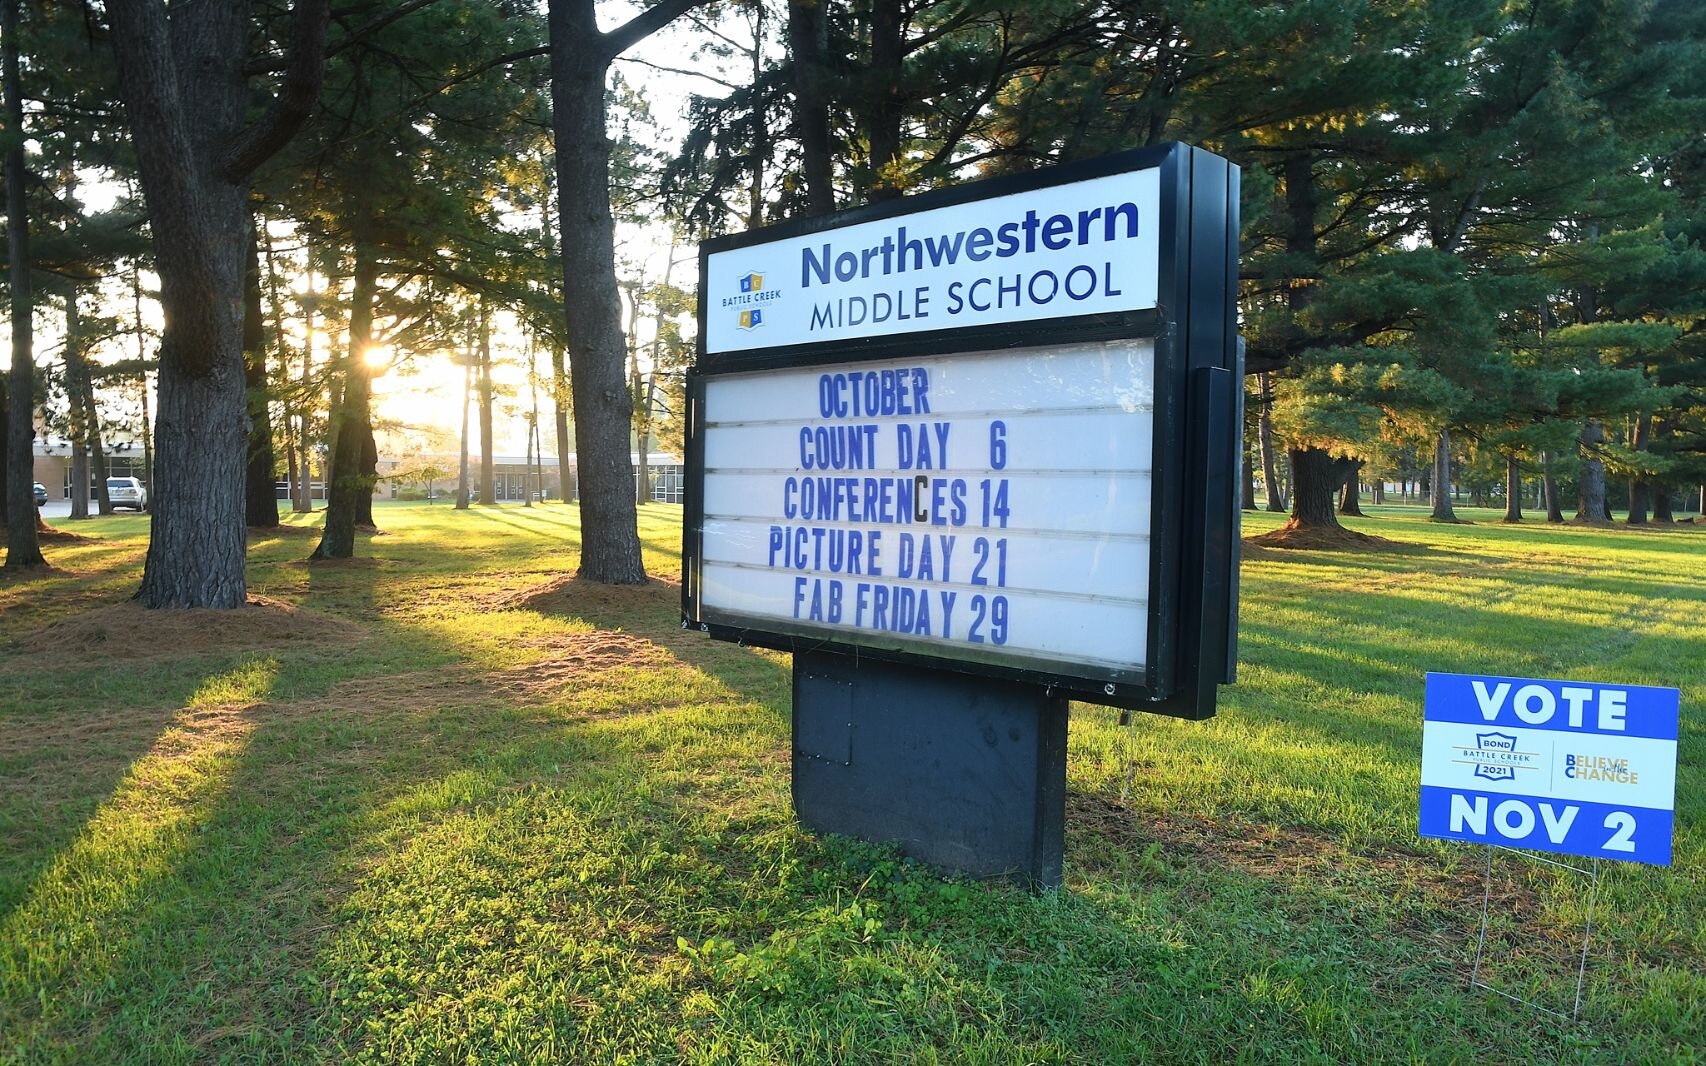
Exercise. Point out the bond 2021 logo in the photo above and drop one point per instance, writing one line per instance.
(752, 302)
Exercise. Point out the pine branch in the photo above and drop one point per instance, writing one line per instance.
(296, 97)
(643, 25)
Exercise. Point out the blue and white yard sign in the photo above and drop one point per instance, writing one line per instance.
(1562, 766)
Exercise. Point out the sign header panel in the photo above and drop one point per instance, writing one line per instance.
(1080, 248)
(993, 506)
(1569, 767)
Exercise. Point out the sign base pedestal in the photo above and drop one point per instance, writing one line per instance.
(964, 773)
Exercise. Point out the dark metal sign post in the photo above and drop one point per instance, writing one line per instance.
(969, 455)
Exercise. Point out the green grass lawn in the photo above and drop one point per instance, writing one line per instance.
(456, 808)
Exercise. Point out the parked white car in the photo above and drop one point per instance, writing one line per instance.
(127, 492)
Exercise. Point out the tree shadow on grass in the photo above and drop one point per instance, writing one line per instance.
(264, 813)
(496, 864)
(428, 873)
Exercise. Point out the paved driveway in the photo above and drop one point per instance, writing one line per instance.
(62, 508)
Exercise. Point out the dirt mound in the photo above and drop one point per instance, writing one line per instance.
(131, 631)
(54, 535)
(1309, 538)
(571, 594)
(578, 656)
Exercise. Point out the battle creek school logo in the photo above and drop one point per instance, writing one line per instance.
(1495, 757)
(752, 294)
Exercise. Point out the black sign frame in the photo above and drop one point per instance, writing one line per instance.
(1198, 426)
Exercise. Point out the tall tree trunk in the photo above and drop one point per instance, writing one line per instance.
(305, 428)
(1662, 511)
(462, 485)
(648, 398)
(369, 459)
(181, 74)
(761, 133)
(1662, 490)
(1315, 480)
(1442, 511)
(1590, 491)
(1350, 502)
(5, 451)
(1248, 500)
(98, 466)
(80, 394)
(1549, 489)
(1264, 439)
(142, 361)
(560, 398)
(1640, 488)
(882, 100)
(77, 404)
(295, 414)
(808, 43)
(349, 480)
(634, 387)
(79, 480)
(604, 415)
(532, 423)
(488, 467)
(260, 495)
(1513, 489)
(22, 547)
(560, 394)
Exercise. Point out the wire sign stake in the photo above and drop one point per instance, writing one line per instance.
(1475, 981)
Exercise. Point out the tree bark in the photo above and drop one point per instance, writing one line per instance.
(1350, 502)
(349, 479)
(87, 456)
(79, 481)
(648, 395)
(560, 397)
(369, 460)
(1315, 481)
(23, 548)
(1590, 491)
(305, 413)
(142, 361)
(260, 495)
(1513, 489)
(808, 41)
(1640, 489)
(462, 485)
(295, 414)
(5, 450)
(182, 78)
(761, 143)
(882, 102)
(1549, 490)
(1442, 509)
(1265, 438)
(1662, 511)
(1248, 500)
(488, 469)
(610, 540)
(532, 422)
